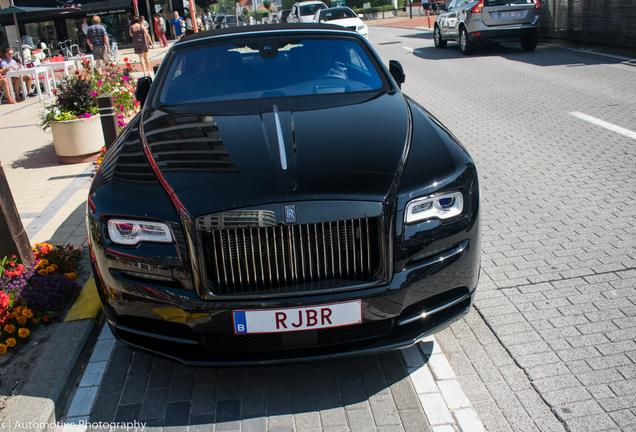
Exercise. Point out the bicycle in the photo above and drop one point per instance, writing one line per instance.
(64, 48)
(427, 9)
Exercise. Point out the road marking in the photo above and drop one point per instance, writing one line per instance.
(443, 400)
(414, 51)
(82, 405)
(602, 123)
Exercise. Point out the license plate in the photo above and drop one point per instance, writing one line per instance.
(298, 318)
(510, 14)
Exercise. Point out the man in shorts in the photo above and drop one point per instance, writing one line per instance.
(97, 40)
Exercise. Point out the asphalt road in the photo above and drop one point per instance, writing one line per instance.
(550, 345)
(553, 135)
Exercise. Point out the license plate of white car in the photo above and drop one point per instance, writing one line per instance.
(516, 14)
(297, 318)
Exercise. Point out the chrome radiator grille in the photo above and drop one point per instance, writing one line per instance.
(290, 258)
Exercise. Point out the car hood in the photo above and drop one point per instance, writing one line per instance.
(221, 161)
(346, 22)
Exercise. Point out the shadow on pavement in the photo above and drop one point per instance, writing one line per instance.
(542, 56)
(361, 391)
(39, 158)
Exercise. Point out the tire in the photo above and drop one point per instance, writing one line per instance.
(437, 38)
(465, 44)
(529, 44)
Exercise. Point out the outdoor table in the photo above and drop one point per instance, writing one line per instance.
(65, 65)
(35, 72)
(78, 59)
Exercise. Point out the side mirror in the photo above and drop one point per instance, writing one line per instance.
(397, 72)
(143, 87)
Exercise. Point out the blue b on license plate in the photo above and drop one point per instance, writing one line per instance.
(298, 318)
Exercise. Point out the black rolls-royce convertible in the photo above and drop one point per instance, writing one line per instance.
(279, 199)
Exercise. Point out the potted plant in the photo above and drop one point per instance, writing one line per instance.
(72, 117)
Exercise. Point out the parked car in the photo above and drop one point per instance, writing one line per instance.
(284, 14)
(483, 21)
(305, 12)
(230, 21)
(342, 16)
(279, 199)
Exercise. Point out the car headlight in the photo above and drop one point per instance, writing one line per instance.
(439, 207)
(128, 232)
(362, 27)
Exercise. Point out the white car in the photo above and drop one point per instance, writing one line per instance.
(342, 16)
(305, 12)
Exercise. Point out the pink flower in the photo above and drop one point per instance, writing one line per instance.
(100, 82)
(126, 78)
(93, 94)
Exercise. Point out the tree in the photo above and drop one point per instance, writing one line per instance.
(267, 4)
(227, 7)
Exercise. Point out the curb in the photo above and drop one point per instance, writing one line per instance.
(43, 397)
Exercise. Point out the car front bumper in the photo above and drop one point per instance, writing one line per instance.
(177, 324)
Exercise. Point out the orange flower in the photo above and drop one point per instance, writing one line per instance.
(3, 349)
(27, 313)
(11, 342)
(21, 320)
(35, 321)
(9, 328)
(23, 333)
(126, 59)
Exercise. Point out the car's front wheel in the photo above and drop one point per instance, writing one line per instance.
(529, 44)
(437, 36)
(465, 44)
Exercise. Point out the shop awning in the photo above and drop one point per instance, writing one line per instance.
(106, 7)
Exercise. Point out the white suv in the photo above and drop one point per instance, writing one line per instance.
(305, 12)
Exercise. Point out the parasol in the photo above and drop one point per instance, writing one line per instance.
(13, 9)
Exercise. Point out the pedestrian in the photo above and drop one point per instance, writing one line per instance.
(7, 64)
(82, 35)
(97, 40)
(146, 26)
(204, 19)
(160, 29)
(140, 38)
(178, 25)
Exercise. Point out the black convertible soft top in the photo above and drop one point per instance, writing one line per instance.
(263, 27)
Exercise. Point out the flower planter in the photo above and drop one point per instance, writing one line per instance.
(78, 140)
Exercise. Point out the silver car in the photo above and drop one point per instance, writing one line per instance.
(483, 21)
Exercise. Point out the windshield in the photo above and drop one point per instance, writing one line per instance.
(219, 18)
(311, 9)
(297, 67)
(506, 2)
(335, 14)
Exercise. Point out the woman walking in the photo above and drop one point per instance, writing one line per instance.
(178, 25)
(140, 38)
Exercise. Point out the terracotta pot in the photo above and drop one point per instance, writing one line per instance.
(78, 140)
